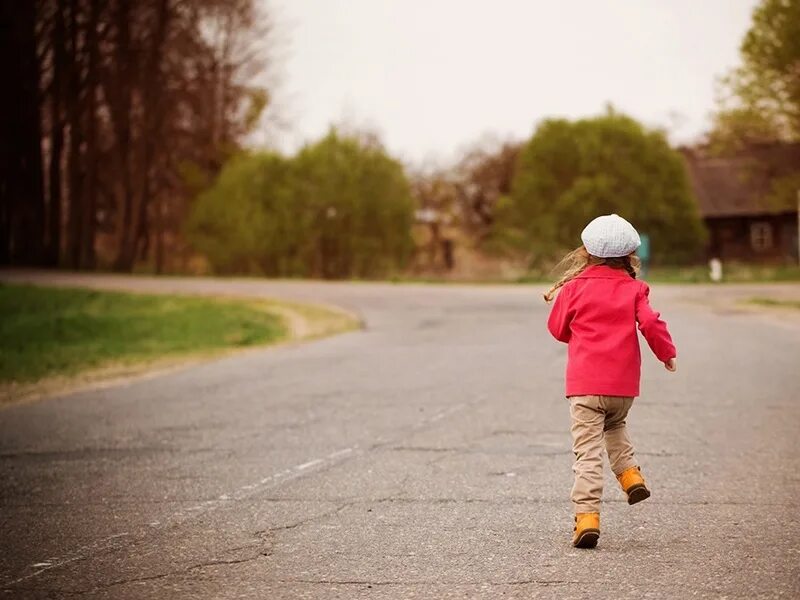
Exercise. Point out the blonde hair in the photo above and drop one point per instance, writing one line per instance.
(574, 263)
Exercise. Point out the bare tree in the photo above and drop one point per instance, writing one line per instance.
(129, 104)
(22, 205)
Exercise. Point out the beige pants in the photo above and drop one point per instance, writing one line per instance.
(597, 422)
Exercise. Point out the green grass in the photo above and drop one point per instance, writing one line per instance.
(50, 331)
(775, 303)
(731, 273)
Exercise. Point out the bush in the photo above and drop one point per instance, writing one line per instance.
(570, 172)
(340, 208)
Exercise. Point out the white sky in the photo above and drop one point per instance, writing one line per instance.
(433, 76)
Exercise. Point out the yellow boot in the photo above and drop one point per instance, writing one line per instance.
(633, 485)
(587, 530)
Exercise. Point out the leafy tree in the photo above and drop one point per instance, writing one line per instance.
(760, 99)
(237, 223)
(570, 172)
(340, 208)
(358, 202)
(736, 129)
(762, 95)
(483, 178)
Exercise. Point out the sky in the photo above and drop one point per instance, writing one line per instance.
(433, 77)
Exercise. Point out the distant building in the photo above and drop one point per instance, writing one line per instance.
(732, 192)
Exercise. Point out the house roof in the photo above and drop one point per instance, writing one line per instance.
(737, 185)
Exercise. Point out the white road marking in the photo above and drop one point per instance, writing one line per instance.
(240, 493)
(308, 464)
(341, 452)
(82, 552)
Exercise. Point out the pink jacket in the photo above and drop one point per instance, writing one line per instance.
(596, 314)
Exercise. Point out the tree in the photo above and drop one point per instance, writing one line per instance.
(570, 172)
(759, 103)
(761, 98)
(340, 208)
(358, 201)
(736, 129)
(115, 100)
(436, 195)
(483, 178)
(245, 223)
(22, 219)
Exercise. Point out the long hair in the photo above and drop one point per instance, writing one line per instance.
(574, 263)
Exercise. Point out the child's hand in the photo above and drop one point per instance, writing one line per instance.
(671, 365)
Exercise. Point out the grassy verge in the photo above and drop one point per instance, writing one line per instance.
(774, 303)
(49, 337)
(732, 273)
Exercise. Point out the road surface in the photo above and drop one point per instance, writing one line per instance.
(427, 456)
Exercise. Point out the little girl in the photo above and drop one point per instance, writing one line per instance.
(596, 312)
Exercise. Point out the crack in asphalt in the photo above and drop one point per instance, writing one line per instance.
(263, 552)
(438, 582)
(194, 567)
(315, 466)
(516, 500)
(305, 521)
(120, 582)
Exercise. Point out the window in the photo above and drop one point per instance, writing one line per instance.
(761, 236)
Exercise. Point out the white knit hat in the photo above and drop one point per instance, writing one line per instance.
(610, 236)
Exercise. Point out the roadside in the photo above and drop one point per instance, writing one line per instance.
(56, 341)
(775, 302)
(406, 455)
(306, 317)
(784, 311)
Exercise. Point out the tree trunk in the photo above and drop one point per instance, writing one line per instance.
(22, 205)
(88, 224)
(151, 122)
(159, 235)
(56, 139)
(122, 116)
(75, 172)
(153, 116)
(160, 251)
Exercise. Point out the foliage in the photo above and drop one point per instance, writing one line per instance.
(570, 172)
(121, 99)
(234, 221)
(358, 203)
(61, 331)
(761, 98)
(760, 102)
(340, 208)
(736, 129)
(484, 178)
(783, 194)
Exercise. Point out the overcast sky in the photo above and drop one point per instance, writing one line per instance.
(433, 76)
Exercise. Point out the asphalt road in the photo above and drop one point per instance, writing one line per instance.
(426, 456)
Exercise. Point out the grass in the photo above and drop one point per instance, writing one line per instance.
(48, 332)
(732, 273)
(772, 302)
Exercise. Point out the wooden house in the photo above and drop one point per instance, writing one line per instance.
(733, 193)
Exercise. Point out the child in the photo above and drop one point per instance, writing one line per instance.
(596, 312)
